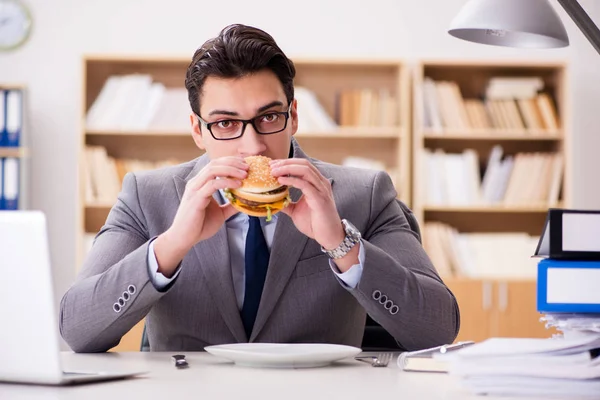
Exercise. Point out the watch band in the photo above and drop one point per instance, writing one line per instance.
(352, 237)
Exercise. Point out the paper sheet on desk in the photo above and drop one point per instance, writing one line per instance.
(501, 347)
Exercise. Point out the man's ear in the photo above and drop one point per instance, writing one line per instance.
(294, 116)
(197, 132)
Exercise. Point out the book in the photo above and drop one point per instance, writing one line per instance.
(568, 286)
(570, 234)
(424, 360)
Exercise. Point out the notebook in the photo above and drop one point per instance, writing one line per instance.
(424, 360)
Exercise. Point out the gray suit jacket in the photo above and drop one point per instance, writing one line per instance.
(302, 301)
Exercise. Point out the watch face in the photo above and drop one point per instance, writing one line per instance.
(15, 24)
(351, 229)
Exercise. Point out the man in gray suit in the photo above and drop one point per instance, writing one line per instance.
(175, 251)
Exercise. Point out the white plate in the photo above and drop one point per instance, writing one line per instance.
(282, 355)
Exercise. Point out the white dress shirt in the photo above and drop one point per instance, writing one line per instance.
(237, 229)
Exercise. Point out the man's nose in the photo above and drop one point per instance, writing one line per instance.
(251, 142)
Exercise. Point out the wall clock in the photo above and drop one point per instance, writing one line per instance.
(15, 24)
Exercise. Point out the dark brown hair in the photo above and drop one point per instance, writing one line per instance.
(239, 50)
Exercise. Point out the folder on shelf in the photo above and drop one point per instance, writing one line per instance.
(570, 235)
(568, 286)
(3, 138)
(14, 118)
(10, 184)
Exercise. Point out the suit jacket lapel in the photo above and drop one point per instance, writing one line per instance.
(214, 263)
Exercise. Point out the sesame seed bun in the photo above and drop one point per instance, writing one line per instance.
(259, 179)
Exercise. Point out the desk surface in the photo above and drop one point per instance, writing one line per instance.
(209, 377)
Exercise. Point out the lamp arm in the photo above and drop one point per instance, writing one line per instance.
(583, 21)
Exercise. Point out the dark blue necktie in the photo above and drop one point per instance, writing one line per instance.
(257, 261)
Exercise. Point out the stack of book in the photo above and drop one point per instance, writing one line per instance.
(518, 104)
(521, 179)
(568, 274)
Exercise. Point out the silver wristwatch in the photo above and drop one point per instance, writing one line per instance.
(352, 237)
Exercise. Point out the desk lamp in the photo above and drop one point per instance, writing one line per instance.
(532, 24)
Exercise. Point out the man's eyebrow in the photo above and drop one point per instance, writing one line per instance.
(270, 105)
(258, 111)
(224, 112)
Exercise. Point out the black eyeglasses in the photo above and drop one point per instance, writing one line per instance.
(264, 124)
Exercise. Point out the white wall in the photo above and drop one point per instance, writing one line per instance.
(50, 65)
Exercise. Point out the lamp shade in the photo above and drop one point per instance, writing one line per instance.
(511, 23)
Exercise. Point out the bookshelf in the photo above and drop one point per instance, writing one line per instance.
(465, 111)
(377, 92)
(14, 154)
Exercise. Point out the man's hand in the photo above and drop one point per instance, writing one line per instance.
(199, 216)
(315, 214)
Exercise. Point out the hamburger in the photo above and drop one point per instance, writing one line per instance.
(260, 194)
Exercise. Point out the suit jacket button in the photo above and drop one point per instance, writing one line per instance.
(376, 295)
(116, 307)
(126, 296)
(131, 289)
(394, 309)
(388, 304)
(383, 299)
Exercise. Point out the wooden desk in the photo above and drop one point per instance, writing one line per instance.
(209, 377)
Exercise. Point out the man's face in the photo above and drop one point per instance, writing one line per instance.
(244, 98)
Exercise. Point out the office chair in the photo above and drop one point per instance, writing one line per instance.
(375, 338)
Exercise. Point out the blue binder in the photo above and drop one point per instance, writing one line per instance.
(582, 283)
(3, 138)
(1, 183)
(13, 122)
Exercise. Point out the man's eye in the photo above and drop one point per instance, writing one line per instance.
(270, 117)
(225, 124)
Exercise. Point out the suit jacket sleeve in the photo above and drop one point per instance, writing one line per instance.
(397, 266)
(117, 263)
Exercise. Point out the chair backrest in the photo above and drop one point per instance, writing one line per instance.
(375, 338)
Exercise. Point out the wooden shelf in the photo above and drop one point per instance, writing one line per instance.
(357, 133)
(12, 87)
(463, 279)
(17, 152)
(493, 134)
(116, 132)
(95, 216)
(488, 209)
(341, 133)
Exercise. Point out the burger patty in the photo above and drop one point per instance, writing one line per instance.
(248, 202)
(278, 190)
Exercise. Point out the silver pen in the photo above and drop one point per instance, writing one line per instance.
(459, 345)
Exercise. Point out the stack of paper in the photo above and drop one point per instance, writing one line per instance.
(573, 325)
(541, 367)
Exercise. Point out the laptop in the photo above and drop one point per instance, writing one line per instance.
(29, 336)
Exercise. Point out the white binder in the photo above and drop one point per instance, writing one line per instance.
(11, 183)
